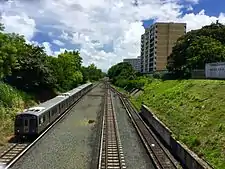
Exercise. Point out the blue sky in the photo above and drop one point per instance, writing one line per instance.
(105, 32)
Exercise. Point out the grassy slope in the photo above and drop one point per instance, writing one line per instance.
(195, 111)
(11, 101)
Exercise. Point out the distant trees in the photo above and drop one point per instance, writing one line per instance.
(28, 67)
(196, 48)
(123, 75)
(121, 71)
(92, 73)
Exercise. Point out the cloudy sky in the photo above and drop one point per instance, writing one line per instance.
(104, 31)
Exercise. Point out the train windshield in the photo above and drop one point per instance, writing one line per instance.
(25, 121)
(18, 121)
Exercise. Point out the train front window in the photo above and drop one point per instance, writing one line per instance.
(33, 123)
(26, 122)
(18, 122)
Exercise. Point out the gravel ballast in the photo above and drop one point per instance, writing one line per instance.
(73, 142)
(135, 154)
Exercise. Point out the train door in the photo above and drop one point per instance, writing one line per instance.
(26, 125)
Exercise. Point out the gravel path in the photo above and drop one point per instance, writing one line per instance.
(134, 152)
(72, 143)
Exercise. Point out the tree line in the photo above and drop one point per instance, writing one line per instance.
(123, 75)
(29, 68)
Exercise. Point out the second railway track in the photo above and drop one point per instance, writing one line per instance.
(157, 153)
(111, 155)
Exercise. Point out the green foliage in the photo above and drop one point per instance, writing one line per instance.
(66, 70)
(11, 101)
(193, 110)
(196, 48)
(124, 76)
(121, 73)
(2, 27)
(10, 45)
(92, 73)
(33, 72)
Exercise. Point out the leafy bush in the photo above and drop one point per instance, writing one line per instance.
(11, 102)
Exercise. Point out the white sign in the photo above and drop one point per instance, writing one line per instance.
(215, 70)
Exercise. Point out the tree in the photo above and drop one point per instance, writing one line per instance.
(32, 72)
(92, 73)
(196, 48)
(10, 47)
(67, 70)
(2, 27)
(204, 50)
(121, 73)
(122, 69)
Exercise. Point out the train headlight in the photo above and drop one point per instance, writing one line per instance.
(18, 131)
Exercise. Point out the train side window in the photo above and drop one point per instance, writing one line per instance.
(39, 121)
(44, 118)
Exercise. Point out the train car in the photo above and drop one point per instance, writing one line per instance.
(33, 121)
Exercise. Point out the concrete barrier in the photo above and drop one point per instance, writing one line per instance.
(186, 157)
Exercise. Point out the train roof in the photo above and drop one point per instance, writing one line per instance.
(38, 110)
(79, 88)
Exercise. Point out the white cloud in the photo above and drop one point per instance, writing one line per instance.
(193, 1)
(58, 42)
(20, 23)
(48, 49)
(94, 24)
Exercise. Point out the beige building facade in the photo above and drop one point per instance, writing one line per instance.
(157, 43)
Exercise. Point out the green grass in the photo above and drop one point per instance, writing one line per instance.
(11, 101)
(194, 110)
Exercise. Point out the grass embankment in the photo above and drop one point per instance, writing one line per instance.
(11, 101)
(121, 90)
(194, 110)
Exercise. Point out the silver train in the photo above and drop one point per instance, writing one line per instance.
(33, 121)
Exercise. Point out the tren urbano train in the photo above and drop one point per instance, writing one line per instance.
(33, 121)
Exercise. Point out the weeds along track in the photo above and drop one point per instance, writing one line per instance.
(111, 155)
(154, 148)
(14, 151)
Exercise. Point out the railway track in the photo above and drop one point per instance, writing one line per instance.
(14, 151)
(11, 151)
(158, 153)
(111, 155)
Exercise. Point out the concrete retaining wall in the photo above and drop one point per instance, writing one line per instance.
(186, 157)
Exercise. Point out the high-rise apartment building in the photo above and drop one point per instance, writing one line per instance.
(157, 43)
(135, 62)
